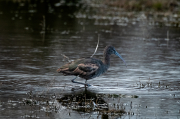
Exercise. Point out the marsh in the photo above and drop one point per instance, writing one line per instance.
(32, 39)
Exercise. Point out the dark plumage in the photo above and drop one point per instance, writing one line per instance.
(89, 68)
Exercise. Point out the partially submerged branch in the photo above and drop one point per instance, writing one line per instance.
(96, 47)
(65, 57)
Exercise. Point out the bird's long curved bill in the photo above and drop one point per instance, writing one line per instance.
(116, 53)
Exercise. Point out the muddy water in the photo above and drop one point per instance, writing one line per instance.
(30, 87)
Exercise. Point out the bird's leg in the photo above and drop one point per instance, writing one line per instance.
(86, 84)
(80, 82)
(76, 81)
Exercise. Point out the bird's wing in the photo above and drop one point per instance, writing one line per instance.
(82, 67)
(86, 69)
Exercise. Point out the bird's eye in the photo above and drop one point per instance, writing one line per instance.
(113, 51)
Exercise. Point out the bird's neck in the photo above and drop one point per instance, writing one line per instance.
(106, 59)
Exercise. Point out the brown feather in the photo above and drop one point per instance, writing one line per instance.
(92, 68)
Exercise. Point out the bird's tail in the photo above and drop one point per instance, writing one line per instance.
(59, 70)
(65, 71)
(62, 70)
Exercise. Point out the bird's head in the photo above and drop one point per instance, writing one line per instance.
(111, 50)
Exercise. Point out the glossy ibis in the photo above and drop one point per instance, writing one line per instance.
(89, 68)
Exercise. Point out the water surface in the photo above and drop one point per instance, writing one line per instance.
(30, 87)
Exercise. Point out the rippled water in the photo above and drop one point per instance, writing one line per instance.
(30, 87)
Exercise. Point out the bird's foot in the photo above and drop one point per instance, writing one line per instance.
(75, 89)
(87, 85)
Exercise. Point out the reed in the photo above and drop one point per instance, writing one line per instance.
(144, 5)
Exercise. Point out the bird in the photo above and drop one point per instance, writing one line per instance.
(89, 68)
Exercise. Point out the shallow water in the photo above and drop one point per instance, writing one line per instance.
(30, 87)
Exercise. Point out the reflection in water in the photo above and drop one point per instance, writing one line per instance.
(53, 16)
(87, 101)
(83, 102)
